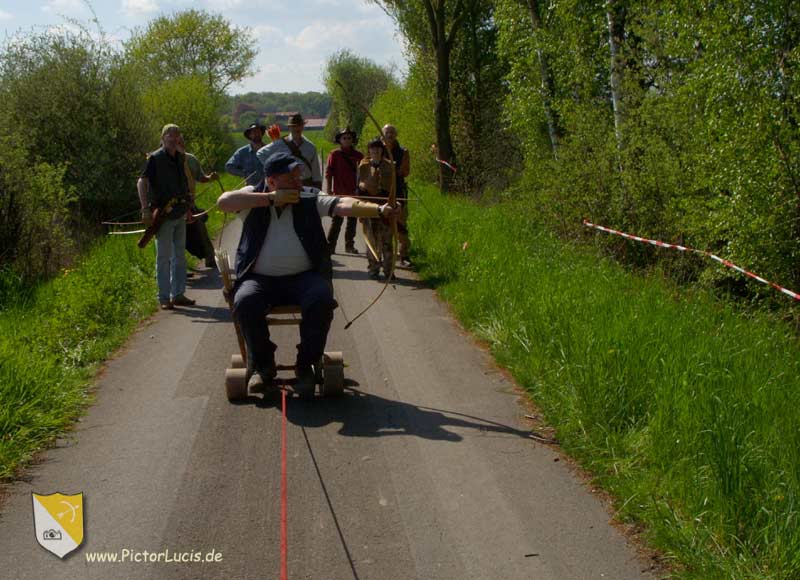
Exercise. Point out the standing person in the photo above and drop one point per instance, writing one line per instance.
(163, 185)
(283, 259)
(197, 241)
(374, 180)
(244, 163)
(341, 172)
(298, 147)
(402, 169)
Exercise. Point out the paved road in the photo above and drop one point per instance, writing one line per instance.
(423, 470)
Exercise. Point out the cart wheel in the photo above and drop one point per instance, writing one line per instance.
(333, 374)
(237, 362)
(236, 384)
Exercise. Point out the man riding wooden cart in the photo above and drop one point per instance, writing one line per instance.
(283, 267)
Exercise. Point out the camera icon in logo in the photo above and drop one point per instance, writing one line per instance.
(51, 534)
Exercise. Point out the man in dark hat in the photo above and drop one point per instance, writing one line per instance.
(375, 180)
(340, 175)
(283, 258)
(298, 147)
(244, 163)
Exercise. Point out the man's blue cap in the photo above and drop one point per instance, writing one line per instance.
(279, 163)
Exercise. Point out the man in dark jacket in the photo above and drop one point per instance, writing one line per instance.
(402, 161)
(163, 185)
(283, 258)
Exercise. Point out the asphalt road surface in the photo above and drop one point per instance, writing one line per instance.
(424, 469)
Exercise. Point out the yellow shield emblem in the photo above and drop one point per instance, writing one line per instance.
(58, 522)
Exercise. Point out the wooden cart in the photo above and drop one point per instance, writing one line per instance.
(329, 371)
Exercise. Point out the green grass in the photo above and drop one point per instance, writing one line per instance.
(686, 410)
(53, 337)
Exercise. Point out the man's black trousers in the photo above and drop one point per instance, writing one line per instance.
(256, 294)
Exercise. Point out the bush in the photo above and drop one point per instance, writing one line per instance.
(90, 123)
(34, 214)
(187, 102)
(408, 107)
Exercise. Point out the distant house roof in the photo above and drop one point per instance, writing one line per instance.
(311, 122)
(316, 122)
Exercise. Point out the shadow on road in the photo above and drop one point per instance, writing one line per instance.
(366, 415)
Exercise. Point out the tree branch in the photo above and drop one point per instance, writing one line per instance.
(432, 21)
(459, 14)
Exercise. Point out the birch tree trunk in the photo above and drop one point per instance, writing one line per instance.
(444, 141)
(615, 31)
(548, 86)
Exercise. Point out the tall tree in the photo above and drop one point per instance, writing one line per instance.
(432, 26)
(615, 16)
(364, 80)
(477, 91)
(547, 82)
(194, 43)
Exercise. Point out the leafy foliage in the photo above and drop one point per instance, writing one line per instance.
(69, 95)
(706, 150)
(193, 43)
(408, 108)
(34, 213)
(187, 102)
(77, 117)
(431, 30)
(363, 81)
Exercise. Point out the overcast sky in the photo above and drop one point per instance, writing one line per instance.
(294, 37)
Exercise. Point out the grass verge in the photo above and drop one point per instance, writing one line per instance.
(684, 409)
(54, 337)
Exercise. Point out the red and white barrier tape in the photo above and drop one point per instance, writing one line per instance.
(446, 164)
(714, 257)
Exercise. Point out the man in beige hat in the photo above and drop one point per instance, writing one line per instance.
(298, 147)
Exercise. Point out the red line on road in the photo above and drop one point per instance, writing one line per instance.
(284, 502)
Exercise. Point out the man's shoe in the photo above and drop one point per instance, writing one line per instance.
(376, 275)
(350, 249)
(167, 305)
(182, 300)
(305, 383)
(261, 381)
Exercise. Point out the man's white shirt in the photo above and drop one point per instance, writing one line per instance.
(282, 253)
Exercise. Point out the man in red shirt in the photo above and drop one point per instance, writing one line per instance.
(340, 176)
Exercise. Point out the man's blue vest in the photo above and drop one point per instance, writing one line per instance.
(308, 226)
